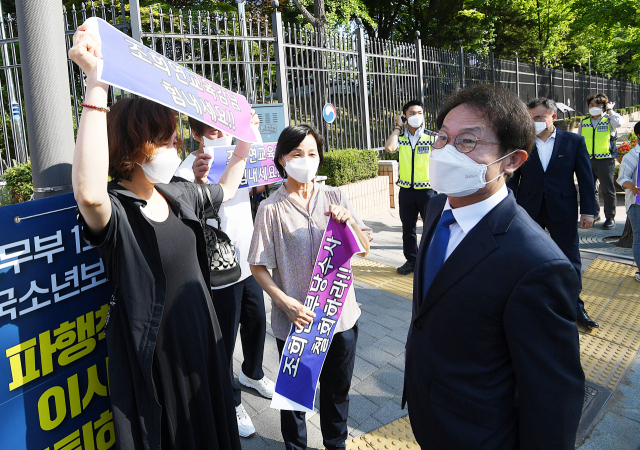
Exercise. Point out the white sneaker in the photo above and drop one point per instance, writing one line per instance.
(265, 387)
(245, 426)
(637, 276)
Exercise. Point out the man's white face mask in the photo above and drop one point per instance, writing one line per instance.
(455, 174)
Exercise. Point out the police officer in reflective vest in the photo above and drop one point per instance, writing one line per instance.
(599, 134)
(414, 144)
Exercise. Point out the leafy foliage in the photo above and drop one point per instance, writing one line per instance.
(19, 182)
(348, 166)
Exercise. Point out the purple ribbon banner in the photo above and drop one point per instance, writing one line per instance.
(306, 349)
(259, 170)
(131, 66)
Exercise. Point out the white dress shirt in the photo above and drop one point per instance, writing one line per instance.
(414, 138)
(545, 149)
(468, 217)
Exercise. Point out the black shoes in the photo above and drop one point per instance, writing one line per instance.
(609, 224)
(406, 268)
(584, 319)
(596, 218)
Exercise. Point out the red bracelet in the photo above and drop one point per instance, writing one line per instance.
(104, 109)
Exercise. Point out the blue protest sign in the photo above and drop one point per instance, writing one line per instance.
(53, 303)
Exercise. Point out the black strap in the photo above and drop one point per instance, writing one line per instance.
(201, 203)
(215, 210)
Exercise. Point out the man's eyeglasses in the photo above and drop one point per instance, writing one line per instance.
(464, 142)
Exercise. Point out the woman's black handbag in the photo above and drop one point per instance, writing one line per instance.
(221, 253)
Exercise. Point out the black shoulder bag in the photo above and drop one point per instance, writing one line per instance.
(221, 253)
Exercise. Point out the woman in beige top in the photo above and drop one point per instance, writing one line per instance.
(288, 230)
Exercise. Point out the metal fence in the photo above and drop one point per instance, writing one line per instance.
(367, 80)
(13, 129)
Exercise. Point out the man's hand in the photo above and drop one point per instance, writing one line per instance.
(610, 105)
(586, 222)
(399, 121)
(255, 119)
(201, 168)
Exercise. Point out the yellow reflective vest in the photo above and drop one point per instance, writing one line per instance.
(597, 139)
(414, 162)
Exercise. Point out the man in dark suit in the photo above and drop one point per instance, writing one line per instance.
(544, 186)
(492, 358)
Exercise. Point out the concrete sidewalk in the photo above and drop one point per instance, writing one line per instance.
(385, 300)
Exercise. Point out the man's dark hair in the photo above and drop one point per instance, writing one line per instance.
(546, 102)
(600, 99)
(636, 130)
(290, 138)
(504, 111)
(198, 127)
(410, 104)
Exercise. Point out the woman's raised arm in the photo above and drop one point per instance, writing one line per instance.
(91, 154)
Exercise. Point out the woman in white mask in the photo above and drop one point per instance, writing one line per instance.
(288, 230)
(169, 380)
(240, 303)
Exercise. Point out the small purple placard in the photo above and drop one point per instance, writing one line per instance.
(259, 170)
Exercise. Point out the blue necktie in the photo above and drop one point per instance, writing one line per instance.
(437, 250)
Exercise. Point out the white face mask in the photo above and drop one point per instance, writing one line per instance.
(303, 170)
(416, 120)
(162, 167)
(224, 141)
(540, 127)
(595, 111)
(455, 174)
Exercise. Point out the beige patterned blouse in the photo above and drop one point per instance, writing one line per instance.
(286, 239)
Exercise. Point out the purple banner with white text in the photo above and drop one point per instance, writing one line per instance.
(129, 65)
(259, 170)
(306, 348)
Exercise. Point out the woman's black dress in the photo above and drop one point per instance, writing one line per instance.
(189, 358)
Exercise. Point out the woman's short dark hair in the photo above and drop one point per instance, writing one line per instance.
(601, 99)
(290, 138)
(504, 111)
(135, 128)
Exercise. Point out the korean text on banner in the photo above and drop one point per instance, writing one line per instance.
(306, 349)
(259, 170)
(53, 303)
(129, 65)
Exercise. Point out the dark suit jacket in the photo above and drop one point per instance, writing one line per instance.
(492, 359)
(530, 183)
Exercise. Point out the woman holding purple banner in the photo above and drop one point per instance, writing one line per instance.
(288, 231)
(169, 380)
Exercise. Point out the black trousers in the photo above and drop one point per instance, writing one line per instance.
(565, 235)
(335, 382)
(242, 304)
(603, 171)
(412, 202)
